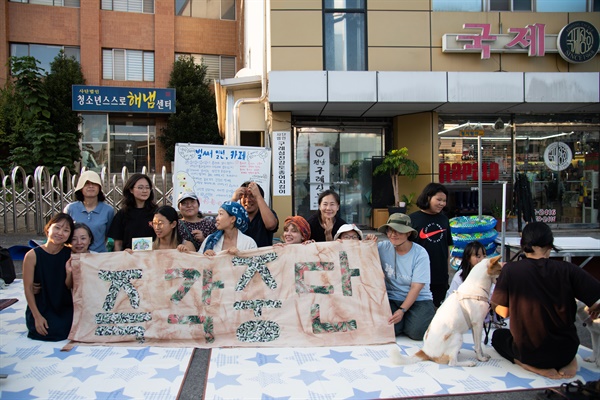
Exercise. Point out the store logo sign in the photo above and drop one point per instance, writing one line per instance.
(578, 42)
(558, 156)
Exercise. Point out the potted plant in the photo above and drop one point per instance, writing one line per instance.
(496, 211)
(408, 200)
(396, 163)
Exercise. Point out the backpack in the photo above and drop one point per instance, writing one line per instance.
(7, 267)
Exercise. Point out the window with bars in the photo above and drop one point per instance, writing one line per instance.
(60, 3)
(45, 54)
(516, 5)
(217, 67)
(211, 9)
(127, 65)
(136, 6)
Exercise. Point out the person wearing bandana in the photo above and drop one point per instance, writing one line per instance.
(231, 222)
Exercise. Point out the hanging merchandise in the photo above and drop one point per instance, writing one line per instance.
(523, 201)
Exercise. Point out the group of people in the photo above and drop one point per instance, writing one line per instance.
(536, 292)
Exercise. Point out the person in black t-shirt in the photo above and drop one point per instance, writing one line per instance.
(134, 218)
(538, 294)
(263, 220)
(325, 223)
(433, 233)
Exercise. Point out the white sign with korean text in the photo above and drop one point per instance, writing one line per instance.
(319, 173)
(214, 172)
(282, 156)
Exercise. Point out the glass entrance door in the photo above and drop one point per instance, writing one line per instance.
(340, 160)
(132, 145)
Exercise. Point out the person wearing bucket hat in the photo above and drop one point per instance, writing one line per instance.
(406, 268)
(348, 231)
(232, 221)
(351, 232)
(538, 293)
(192, 226)
(90, 209)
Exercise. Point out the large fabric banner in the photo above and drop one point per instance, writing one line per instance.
(320, 294)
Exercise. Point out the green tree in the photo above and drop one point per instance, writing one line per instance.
(64, 73)
(28, 135)
(196, 118)
(24, 111)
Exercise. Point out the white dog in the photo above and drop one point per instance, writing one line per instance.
(464, 309)
(593, 326)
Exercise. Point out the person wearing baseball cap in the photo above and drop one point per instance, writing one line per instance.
(407, 277)
(91, 210)
(193, 226)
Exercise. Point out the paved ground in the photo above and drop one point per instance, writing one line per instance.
(194, 383)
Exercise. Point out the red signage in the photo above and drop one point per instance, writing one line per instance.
(468, 171)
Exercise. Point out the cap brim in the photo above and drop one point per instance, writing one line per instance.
(397, 227)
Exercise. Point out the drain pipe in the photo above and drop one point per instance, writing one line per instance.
(263, 96)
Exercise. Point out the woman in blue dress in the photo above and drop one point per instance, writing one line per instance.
(49, 313)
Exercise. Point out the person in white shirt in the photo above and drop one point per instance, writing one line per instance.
(231, 222)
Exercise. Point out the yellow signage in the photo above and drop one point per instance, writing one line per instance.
(471, 132)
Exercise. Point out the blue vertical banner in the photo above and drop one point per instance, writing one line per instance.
(123, 99)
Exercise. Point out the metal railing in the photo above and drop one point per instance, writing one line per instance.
(27, 202)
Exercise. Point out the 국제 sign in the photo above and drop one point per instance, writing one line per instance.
(578, 42)
(122, 99)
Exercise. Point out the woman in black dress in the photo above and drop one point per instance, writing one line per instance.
(49, 312)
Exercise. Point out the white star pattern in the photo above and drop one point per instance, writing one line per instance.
(70, 394)
(321, 396)
(127, 374)
(473, 384)
(41, 373)
(164, 394)
(26, 352)
(100, 353)
(265, 379)
(351, 375)
(405, 392)
(376, 354)
(178, 354)
(224, 358)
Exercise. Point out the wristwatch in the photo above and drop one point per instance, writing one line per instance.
(403, 310)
